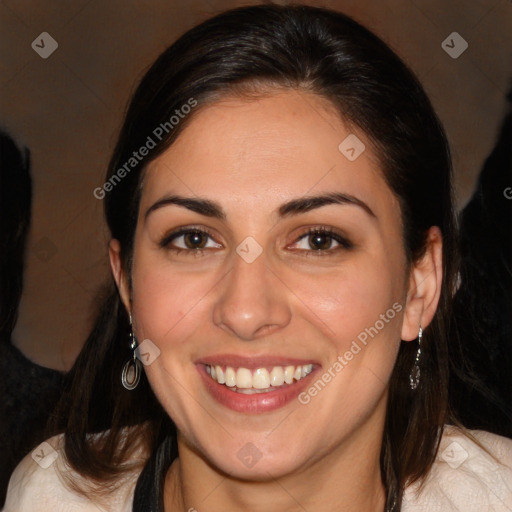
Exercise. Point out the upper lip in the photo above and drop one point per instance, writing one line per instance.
(237, 361)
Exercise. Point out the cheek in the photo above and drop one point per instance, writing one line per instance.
(161, 302)
(358, 309)
(351, 299)
(168, 305)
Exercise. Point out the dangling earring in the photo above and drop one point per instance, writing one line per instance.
(130, 375)
(414, 377)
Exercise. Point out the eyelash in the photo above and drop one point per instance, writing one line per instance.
(165, 243)
(343, 242)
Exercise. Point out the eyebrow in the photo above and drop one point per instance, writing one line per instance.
(308, 203)
(202, 206)
(297, 206)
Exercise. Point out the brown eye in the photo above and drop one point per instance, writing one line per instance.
(320, 241)
(195, 240)
(191, 240)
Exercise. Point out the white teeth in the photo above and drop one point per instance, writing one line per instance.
(220, 375)
(243, 378)
(288, 374)
(259, 380)
(230, 377)
(277, 376)
(251, 391)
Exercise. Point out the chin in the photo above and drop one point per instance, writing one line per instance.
(251, 463)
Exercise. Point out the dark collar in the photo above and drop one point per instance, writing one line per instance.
(149, 491)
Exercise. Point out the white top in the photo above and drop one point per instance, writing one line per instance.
(464, 478)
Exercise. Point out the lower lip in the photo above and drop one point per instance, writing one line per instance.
(257, 402)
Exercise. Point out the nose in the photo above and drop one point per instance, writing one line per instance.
(252, 300)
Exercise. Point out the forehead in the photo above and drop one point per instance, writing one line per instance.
(249, 151)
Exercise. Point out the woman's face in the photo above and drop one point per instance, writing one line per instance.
(235, 267)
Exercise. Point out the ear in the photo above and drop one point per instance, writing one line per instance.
(424, 287)
(114, 252)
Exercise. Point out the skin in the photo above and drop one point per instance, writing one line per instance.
(251, 156)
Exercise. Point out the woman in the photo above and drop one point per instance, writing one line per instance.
(283, 248)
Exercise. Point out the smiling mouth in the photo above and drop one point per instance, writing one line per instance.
(259, 380)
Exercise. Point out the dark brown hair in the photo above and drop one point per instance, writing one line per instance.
(15, 212)
(256, 49)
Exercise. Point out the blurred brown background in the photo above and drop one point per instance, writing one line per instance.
(68, 108)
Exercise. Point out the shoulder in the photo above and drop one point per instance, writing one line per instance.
(465, 476)
(38, 485)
